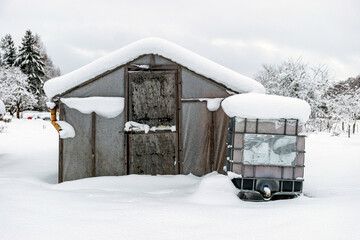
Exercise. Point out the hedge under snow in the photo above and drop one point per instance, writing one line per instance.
(262, 106)
(157, 46)
(108, 107)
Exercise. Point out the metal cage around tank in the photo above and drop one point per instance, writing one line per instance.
(251, 177)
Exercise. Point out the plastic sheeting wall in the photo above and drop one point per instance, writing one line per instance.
(158, 60)
(196, 126)
(77, 150)
(109, 134)
(198, 157)
(111, 85)
(221, 122)
(109, 145)
(196, 122)
(196, 86)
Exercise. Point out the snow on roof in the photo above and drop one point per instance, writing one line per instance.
(66, 131)
(108, 107)
(157, 46)
(262, 106)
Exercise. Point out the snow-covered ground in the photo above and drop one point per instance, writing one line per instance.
(34, 206)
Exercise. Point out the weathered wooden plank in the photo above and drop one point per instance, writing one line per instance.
(152, 154)
(93, 144)
(126, 118)
(152, 61)
(212, 142)
(152, 98)
(179, 123)
(61, 147)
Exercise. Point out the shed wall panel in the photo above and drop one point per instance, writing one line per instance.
(195, 131)
(77, 151)
(159, 60)
(196, 86)
(221, 121)
(145, 60)
(109, 142)
(110, 85)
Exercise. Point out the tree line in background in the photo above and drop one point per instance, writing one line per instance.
(23, 72)
(335, 107)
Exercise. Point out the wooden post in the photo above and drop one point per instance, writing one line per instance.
(212, 141)
(210, 146)
(61, 147)
(126, 118)
(179, 122)
(93, 147)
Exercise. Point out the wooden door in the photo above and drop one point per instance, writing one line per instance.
(153, 101)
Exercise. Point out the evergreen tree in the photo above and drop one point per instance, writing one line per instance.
(9, 51)
(30, 62)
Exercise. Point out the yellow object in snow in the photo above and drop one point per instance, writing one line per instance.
(53, 119)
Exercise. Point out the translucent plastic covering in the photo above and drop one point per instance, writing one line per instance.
(263, 149)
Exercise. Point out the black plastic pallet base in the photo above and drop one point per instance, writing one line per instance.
(287, 188)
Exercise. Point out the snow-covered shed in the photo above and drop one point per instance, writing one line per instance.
(151, 107)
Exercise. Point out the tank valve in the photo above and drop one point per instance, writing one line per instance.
(267, 191)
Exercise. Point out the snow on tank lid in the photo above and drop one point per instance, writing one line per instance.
(262, 106)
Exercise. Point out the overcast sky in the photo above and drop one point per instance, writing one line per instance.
(241, 35)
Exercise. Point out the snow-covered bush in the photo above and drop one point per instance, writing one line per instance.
(293, 78)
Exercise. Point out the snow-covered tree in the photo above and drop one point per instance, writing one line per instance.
(293, 78)
(344, 103)
(14, 90)
(9, 51)
(30, 62)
